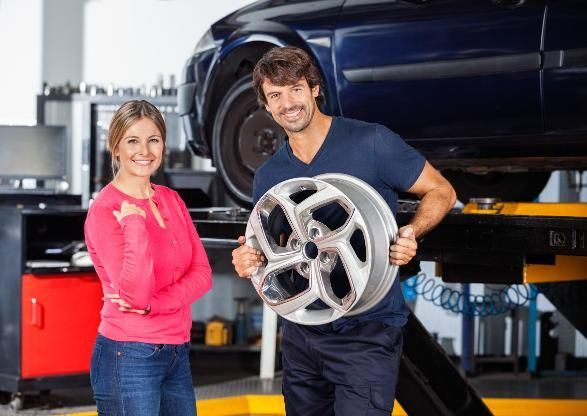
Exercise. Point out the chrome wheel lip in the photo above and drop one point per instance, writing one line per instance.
(370, 280)
(390, 230)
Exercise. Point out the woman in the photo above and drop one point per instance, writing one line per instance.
(152, 266)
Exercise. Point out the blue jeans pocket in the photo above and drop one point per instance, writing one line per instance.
(95, 364)
(140, 350)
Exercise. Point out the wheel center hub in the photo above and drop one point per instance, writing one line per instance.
(310, 250)
(258, 139)
(267, 141)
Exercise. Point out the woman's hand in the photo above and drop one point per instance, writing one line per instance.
(123, 306)
(128, 209)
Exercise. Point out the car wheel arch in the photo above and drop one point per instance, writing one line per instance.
(232, 64)
(235, 60)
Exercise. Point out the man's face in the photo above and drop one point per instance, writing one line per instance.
(292, 106)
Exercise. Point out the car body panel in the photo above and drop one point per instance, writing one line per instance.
(442, 68)
(565, 73)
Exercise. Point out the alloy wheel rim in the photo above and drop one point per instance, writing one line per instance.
(352, 253)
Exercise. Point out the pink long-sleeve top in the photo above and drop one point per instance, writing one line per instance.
(147, 265)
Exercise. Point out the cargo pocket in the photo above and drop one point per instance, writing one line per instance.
(382, 397)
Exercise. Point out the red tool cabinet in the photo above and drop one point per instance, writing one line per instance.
(49, 310)
(60, 316)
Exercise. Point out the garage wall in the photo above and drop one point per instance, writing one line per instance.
(131, 42)
(63, 41)
(21, 57)
(125, 42)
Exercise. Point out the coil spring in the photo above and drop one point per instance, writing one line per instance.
(501, 301)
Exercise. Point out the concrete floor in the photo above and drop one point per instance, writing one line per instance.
(60, 402)
(234, 374)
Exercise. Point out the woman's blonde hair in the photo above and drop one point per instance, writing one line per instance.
(128, 114)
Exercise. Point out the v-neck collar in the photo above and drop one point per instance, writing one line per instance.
(144, 203)
(137, 201)
(295, 159)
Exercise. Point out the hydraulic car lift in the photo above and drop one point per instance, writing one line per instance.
(508, 243)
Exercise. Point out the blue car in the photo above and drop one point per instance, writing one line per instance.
(493, 92)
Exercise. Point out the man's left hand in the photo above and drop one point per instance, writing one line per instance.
(404, 248)
(122, 305)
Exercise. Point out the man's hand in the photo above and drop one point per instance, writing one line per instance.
(122, 305)
(404, 248)
(246, 259)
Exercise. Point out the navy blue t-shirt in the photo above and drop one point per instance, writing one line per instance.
(370, 152)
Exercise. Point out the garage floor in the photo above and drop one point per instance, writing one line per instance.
(79, 401)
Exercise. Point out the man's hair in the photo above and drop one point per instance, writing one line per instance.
(285, 66)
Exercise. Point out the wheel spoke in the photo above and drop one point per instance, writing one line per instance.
(289, 208)
(283, 262)
(269, 250)
(323, 196)
(325, 291)
(297, 303)
(357, 271)
(344, 233)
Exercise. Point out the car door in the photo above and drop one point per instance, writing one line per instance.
(441, 68)
(565, 66)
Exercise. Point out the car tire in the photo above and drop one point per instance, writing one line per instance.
(244, 136)
(507, 186)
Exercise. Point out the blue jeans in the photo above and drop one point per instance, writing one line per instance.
(139, 379)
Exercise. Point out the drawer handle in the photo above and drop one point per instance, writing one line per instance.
(37, 313)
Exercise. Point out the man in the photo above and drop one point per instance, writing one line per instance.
(348, 367)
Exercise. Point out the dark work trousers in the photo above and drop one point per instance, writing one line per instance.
(353, 373)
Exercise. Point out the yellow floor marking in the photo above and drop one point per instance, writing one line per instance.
(272, 405)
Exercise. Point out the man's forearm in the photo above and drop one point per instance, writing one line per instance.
(433, 207)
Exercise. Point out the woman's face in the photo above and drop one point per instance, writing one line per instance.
(140, 151)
